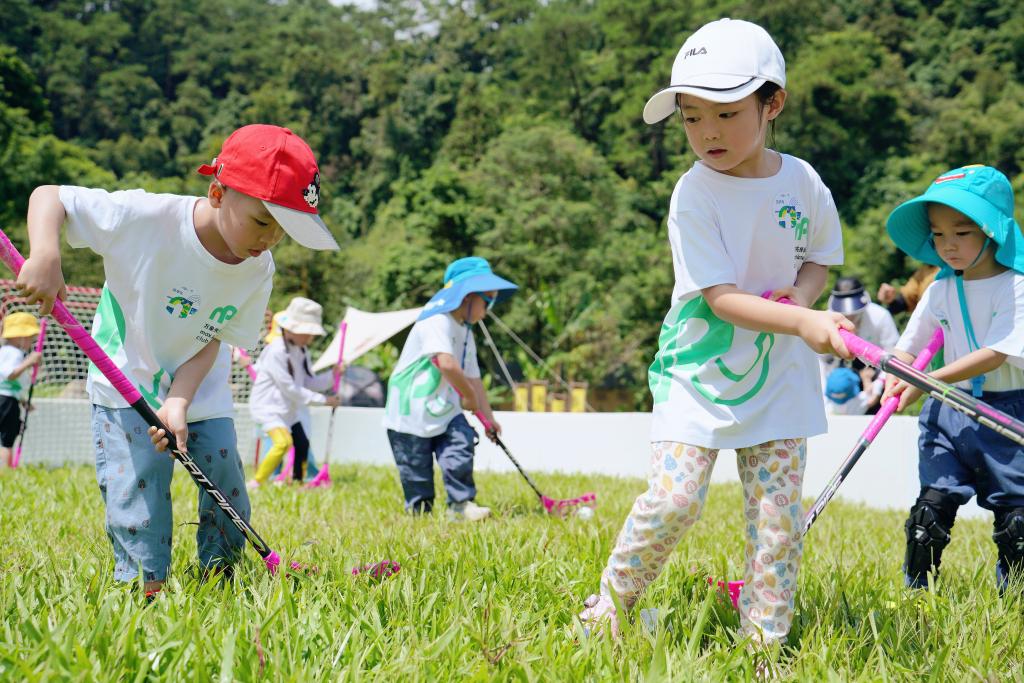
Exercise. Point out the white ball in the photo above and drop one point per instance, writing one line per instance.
(585, 512)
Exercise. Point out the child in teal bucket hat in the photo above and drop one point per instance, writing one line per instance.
(436, 379)
(964, 223)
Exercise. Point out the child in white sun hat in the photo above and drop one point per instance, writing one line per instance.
(734, 370)
(285, 385)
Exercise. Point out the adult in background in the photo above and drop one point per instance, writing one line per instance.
(906, 297)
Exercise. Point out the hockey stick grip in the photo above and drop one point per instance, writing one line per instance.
(889, 407)
(9, 255)
(974, 408)
(250, 368)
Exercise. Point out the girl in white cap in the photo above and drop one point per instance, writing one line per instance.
(734, 370)
(284, 385)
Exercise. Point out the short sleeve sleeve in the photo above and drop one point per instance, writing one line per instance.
(95, 217)
(825, 242)
(10, 358)
(243, 329)
(698, 248)
(1006, 331)
(921, 327)
(436, 336)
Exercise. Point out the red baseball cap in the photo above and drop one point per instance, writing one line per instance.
(277, 166)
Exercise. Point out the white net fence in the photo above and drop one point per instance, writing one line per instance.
(59, 428)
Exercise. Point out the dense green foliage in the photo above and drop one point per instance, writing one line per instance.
(506, 128)
(490, 601)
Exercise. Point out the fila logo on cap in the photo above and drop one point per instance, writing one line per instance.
(694, 52)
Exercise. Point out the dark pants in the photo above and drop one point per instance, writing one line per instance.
(415, 455)
(10, 421)
(962, 458)
(301, 444)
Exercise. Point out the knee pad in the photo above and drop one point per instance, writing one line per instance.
(928, 528)
(1009, 538)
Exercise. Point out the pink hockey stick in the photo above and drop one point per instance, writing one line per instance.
(31, 388)
(251, 369)
(14, 260)
(559, 506)
(251, 364)
(323, 477)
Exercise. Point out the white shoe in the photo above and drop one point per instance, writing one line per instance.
(252, 484)
(468, 510)
(598, 615)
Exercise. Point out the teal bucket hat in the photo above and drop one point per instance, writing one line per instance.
(465, 276)
(981, 193)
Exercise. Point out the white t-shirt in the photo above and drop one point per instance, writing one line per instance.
(10, 358)
(420, 400)
(715, 384)
(166, 296)
(279, 396)
(996, 306)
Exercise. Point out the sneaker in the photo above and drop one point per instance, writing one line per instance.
(252, 484)
(468, 510)
(599, 614)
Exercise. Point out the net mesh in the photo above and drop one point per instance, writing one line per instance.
(59, 428)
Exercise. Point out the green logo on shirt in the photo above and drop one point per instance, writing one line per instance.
(675, 358)
(419, 380)
(796, 220)
(223, 313)
(183, 302)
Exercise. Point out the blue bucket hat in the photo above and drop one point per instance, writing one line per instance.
(981, 193)
(465, 276)
(842, 385)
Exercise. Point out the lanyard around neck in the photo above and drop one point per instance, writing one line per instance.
(972, 341)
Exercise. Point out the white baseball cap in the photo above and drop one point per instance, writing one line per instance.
(723, 61)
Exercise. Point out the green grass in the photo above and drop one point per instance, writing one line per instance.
(488, 601)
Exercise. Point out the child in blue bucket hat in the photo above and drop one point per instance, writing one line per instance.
(964, 223)
(436, 379)
(852, 393)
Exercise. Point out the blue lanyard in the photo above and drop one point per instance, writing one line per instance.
(972, 341)
(465, 345)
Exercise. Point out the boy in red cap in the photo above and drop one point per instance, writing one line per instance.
(184, 274)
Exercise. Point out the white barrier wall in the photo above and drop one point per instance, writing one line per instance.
(617, 443)
(599, 443)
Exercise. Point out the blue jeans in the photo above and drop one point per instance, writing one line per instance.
(135, 482)
(962, 458)
(415, 455)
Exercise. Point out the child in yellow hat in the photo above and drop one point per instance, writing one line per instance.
(20, 331)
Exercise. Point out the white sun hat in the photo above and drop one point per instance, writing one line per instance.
(723, 61)
(303, 316)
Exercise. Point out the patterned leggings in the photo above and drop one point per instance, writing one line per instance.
(772, 475)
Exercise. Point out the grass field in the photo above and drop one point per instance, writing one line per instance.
(487, 601)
